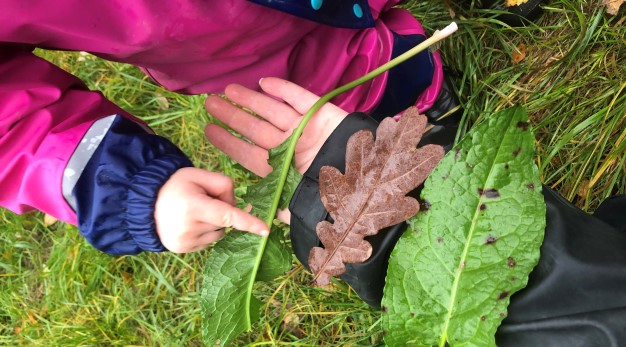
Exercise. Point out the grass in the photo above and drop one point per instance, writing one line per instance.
(56, 290)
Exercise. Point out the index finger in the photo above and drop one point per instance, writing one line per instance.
(222, 214)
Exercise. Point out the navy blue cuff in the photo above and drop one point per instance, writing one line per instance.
(142, 196)
(117, 189)
(353, 14)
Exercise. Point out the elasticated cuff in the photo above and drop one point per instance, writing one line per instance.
(117, 189)
(142, 196)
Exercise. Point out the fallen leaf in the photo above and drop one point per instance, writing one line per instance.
(291, 324)
(519, 53)
(583, 191)
(371, 194)
(31, 318)
(612, 6)
(450, 9)
(510, 3)
(162, 101)
(48, 220)
(127, 277)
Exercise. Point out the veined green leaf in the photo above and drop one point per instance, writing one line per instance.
(453, 271)
(228, 308)
(277, 255)
(235, 262)
(262, 193)
(276, 258)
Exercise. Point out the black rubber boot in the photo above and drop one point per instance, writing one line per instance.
(575, 295)
(517, 15)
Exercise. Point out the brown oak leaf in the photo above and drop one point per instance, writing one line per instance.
(371, 194)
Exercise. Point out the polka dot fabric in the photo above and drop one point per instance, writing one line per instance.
(353, 14)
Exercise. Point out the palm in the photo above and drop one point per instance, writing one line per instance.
(275, 123)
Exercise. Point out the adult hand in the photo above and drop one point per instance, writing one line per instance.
(280, 112)
(194, 206)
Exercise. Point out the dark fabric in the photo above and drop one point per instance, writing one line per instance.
(575, 295)
(518, 15)
(354, 14)
(118, 188)
(406, 81)
(613, 212)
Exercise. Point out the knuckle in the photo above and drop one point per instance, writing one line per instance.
(229, 184)
(227, 219)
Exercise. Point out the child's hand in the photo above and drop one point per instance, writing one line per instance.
(194, 206)
(278, 121)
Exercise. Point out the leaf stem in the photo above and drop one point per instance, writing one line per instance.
(293, 139)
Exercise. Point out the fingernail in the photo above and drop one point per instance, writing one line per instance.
(265, 233)
(260, 80)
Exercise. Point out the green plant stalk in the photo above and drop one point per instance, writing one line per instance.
(436, 37)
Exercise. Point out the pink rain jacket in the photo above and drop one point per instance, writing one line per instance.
(188, 46)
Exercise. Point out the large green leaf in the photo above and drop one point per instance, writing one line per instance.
(452, 273)
(235, 262)
(262, 193)
(277, 255)
(228, 306)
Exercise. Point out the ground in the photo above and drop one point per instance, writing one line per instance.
(568, 71)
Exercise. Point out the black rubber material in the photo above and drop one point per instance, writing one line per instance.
(575, 295)
(447, 103)
(517, 15)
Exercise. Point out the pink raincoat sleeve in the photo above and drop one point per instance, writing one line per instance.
(69, 152)
(44, 113)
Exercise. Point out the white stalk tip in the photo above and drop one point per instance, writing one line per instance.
(447, 31)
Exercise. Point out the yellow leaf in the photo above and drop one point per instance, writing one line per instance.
(510, 3)
(162, 101)
(48, 220)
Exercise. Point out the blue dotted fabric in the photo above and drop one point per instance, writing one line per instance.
(353, 14)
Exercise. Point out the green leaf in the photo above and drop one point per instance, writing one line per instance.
(276, 258)
(228, 308)
(277, 255)
(261, 194)
(235, 262)
(452, 273)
